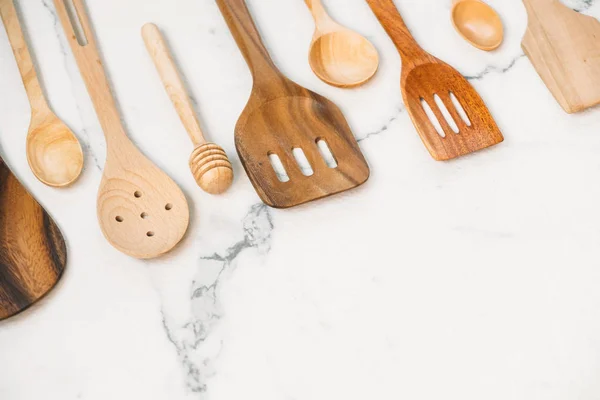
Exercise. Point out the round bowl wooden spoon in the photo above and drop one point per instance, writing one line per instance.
(478, 23)
(338, 55)
(53, 152)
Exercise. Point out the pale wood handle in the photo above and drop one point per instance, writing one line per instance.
(14, 31)
(160, 54)
(322, 19)
(92, 71)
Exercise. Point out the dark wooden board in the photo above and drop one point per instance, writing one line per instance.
(32, 250)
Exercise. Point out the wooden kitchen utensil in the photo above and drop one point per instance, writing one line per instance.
(564, 48)
(478, 23)
(53, 152)
(430, 86)
(338, 55)
(142, 212)
(289, 129)
(209, 163)
(33, 254)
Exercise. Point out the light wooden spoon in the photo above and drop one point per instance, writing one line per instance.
(141, 211)
(478, 23)
(338, 55)
(53, 152)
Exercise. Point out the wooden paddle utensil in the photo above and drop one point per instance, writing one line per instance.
(209, 163)
(142, 212)
(295, 145)
(33, 254)
(53, 152)
(447, 112)
(564, 47)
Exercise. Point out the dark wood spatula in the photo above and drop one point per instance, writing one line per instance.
(429, 85)
(33, 254)
(287, 126)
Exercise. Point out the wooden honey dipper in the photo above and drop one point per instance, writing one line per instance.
(209, 163)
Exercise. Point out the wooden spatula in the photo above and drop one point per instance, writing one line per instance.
(286, 122)
(564, 48)
(141, 211)
(33, 254)
(429, 85)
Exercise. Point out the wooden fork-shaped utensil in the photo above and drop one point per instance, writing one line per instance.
(428, 83)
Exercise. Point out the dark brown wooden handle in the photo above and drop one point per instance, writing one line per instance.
(391, 20)
(248, 39)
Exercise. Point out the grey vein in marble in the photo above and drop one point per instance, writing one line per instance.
(258, 227)
(493, 68)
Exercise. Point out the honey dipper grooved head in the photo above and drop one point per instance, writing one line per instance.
(211, 168)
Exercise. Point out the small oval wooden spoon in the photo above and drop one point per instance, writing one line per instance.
(338, 55)
(478, 23)
(53, 152)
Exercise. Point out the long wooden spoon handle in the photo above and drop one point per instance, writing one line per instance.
(160, 54)
(248, 39)
(322, 20)
(391, 20)
(12, 25)
(88, 59)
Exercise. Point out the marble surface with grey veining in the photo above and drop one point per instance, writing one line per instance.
(471, 279)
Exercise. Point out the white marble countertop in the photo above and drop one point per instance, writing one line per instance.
(471, 279)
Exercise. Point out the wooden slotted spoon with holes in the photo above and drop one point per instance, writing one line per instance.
(429, 85)
(285, 121)
(142, 212)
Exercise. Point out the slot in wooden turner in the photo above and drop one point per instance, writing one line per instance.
(33, 253)
(282, 116)
(564, 47)
(423, 77)
(142, 212)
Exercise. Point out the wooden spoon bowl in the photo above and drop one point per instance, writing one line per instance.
(338, 55)
(478, 23)
(141, 211)
(343, 58)
(53, 152)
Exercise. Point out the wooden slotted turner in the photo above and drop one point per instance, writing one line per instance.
(564, 47)
(284, 120)
(141, 211)
(429, 82)
(33, 254)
